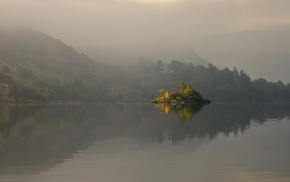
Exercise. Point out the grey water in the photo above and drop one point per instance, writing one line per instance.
(142, 142)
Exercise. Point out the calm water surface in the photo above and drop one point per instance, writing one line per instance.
(143, 143)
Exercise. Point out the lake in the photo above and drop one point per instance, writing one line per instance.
(219, 142)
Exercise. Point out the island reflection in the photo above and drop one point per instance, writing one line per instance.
(186, 111)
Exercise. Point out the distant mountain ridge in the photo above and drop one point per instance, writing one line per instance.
(263, 53)
(35, 66)
(154, 48)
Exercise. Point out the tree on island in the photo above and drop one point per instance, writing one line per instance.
(186, 95)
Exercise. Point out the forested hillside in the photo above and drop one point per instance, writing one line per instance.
(35, 67)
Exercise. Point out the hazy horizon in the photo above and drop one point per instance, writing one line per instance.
(109, 20)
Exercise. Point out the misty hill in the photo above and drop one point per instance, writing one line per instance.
(35, 66)
(262, 53)
(152, 47)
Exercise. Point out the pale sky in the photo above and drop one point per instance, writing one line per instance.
(106, 19)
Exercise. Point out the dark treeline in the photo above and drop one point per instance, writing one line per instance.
(213, 83)
(218, 84)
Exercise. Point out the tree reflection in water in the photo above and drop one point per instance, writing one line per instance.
(187, 111)
(35, 138)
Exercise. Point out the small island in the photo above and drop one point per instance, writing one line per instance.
(186, 95)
